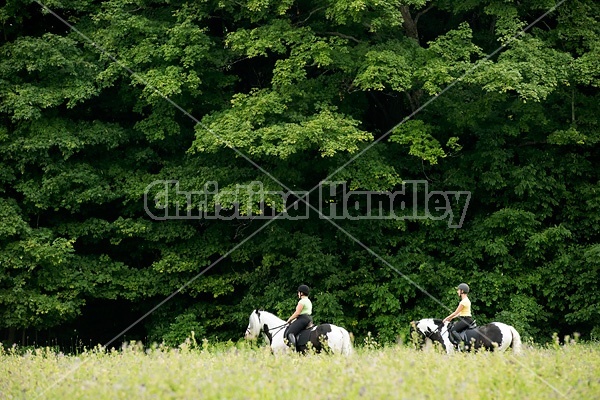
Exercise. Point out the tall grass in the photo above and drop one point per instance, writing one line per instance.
(244, 371)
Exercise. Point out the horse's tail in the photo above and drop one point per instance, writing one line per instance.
(516, 340)
(347, 348)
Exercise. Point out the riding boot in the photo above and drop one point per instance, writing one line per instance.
(451, 337)
(455, 337)
(292, 341)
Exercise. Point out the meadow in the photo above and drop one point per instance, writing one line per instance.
(250, 371)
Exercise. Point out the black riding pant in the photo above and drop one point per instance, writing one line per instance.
(462, 324)
(300, 323)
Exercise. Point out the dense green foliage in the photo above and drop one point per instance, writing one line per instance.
(286, 93)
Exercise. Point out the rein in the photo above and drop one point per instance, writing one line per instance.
(268, 330)
(278, 330)
(428, 336)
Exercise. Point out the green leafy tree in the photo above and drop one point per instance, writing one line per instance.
(95, 121)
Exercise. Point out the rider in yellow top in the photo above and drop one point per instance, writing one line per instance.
(302, 315)
(463, 311)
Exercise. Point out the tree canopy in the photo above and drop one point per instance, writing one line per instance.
(100, 100)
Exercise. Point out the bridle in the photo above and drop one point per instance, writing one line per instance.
(429, 334)
(268, 330)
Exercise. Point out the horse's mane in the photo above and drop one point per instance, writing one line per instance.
(260, 310)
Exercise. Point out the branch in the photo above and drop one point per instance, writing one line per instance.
(573, 106)
(310, 15)
(229, 65)
(413, 107)
(425, 173)
(422, 12)
(342, 36)
(532, 143)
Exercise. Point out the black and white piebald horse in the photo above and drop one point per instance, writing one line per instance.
(336, 339)
(493, 336)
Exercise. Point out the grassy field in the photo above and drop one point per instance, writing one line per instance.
(240, 371)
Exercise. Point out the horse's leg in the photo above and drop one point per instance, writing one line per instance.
(516, 341)
(315, 342)
(338, 341)
(505, 336)
(346, 342)
(279, 349)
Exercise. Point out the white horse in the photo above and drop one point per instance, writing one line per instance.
(493, 336)
(335, 338)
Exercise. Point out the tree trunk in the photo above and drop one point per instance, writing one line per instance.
(409, 24)
(12, 331)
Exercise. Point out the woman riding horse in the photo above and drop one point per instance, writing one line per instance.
(324, 337)
(494, 336)
(463, 311)
(301, 318)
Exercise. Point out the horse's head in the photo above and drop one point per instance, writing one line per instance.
(433, 329)
(254, 326)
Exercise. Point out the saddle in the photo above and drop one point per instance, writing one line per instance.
(309, 334)
(465, 336)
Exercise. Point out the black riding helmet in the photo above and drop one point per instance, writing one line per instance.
(464, 287)
(304, 289)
